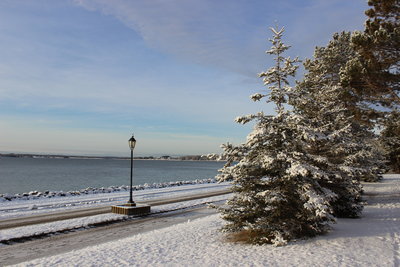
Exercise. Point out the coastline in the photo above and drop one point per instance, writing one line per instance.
(60, 156)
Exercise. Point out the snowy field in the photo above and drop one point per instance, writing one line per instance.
(372, 240)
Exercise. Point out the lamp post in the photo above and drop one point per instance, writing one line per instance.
(130, 208)
(132, 143)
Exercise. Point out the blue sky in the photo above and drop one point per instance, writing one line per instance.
(79, 76)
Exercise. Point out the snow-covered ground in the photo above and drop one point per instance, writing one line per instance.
(372, 240)
(37, 206)
(58, 226)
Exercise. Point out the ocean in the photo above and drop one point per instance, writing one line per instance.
(19, 175)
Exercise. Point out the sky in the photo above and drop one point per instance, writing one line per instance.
(80, 76)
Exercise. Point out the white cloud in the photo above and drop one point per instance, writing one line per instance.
(231, 34)
(204, 31)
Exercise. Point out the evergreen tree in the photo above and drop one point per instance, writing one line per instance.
(334, 149)
(277, 194)
(322, 97)
(325, 68)
(375, 72)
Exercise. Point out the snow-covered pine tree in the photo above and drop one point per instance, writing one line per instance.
(330, 144)
(277, 196)
(325, 69)
(322, 97)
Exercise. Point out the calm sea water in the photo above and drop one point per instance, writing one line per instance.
(18, 175)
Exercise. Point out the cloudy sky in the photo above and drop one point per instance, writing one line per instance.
(79, 76)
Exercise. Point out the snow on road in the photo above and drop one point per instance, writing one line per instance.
(373, 240)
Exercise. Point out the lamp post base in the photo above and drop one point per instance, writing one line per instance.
(129, 209)
(130, 204)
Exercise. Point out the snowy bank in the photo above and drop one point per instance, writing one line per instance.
(93, 190)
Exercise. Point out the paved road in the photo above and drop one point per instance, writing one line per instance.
(58, 216)
(57, 244)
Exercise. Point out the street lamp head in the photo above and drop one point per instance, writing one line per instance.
(132, 143)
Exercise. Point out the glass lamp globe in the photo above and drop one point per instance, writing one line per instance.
(132, 142)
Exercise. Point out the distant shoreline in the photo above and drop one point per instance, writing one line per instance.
(60, 156)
